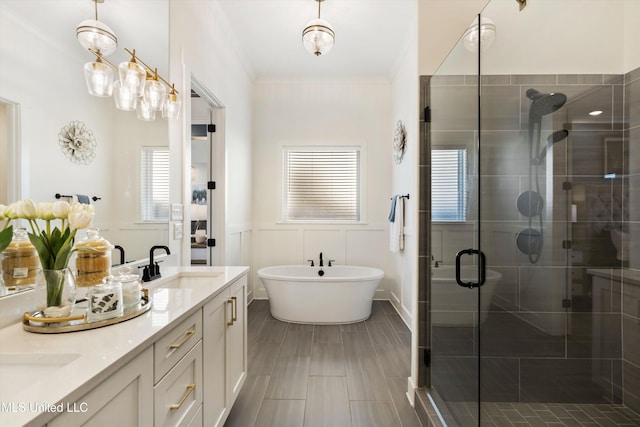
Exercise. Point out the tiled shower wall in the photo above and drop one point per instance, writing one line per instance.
(549, 352)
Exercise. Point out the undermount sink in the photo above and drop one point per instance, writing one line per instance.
(24, 369)
(183, 282)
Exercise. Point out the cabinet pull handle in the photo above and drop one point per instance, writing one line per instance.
(230, 322)
(189, 334)
(177, 406)
(234, 312)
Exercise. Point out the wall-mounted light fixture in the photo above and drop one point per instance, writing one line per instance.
(318, 36)
(139, 86)
(483, 35)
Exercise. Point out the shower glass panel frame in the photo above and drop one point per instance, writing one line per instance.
(551, 203)
(454, 309)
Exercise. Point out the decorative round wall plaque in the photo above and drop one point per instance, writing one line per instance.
(77, 143)
(399, 142)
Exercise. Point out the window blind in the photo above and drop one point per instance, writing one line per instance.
(321, 184)
(155, 184)
(448, 184)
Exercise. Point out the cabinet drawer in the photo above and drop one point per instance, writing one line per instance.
(169, 349)
(178, 396)
(197, 419)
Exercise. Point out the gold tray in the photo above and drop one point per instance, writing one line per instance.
(77, 321)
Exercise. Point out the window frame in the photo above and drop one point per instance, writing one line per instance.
(361, 190)
(463, 196)
(146, 180)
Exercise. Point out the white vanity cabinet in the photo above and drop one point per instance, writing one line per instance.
(178, 373)
(125, 396)
(191, 370)
(224, 351)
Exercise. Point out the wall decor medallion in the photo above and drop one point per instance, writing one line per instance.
(399, 142)
(78, 143)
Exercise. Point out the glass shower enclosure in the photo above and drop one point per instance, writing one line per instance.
(534, 274)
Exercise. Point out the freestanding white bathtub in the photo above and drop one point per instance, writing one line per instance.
(298, 294)
(454, 305)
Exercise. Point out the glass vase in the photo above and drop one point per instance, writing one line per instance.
(56, 292)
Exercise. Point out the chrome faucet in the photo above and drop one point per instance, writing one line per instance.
(152, 271)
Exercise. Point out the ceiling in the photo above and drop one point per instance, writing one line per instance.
(372, 36)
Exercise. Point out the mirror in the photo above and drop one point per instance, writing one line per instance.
(41, 74)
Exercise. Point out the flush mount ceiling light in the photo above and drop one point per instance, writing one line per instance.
(483, 36)
(318, 36)
(95, 35)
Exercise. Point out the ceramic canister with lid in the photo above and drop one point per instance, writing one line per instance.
(20, 262)
(93, 259)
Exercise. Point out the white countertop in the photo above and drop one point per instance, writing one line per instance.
(626, 275)
(102, 351)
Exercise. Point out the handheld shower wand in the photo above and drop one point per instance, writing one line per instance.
(530, 203)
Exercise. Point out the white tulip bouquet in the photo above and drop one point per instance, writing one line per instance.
(54, 244)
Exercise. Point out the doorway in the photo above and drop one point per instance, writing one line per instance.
(206, 195)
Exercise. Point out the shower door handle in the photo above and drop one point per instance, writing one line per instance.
(482, 268)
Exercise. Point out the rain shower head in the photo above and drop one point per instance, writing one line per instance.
(555, 137)
(543, 104)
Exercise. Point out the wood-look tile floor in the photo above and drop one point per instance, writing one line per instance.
(326, 375)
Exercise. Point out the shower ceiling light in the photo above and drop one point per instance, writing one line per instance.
(483, 36)
(318, 37)
(93, 34)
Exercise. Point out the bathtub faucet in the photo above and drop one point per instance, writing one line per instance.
(321, 264)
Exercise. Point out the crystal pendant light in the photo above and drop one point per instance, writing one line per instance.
(133, 74)
(93, 34)
(144, 111)
(171, 107)
(99, 78)
(318, 37)
(125, 96)
(154, 92)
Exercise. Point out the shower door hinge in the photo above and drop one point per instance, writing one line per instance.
(427, 358)
(566, 244)
(211, 185)
(566, 303)
(211, 243)
(427, 114)
(211, 128)
(567, 185)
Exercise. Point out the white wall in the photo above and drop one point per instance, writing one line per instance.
(327, 113)
(405, 106)
(405, 99)
(44, 76)
(631, 35)
(547, 37)
(435, 38)
(201, 46)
